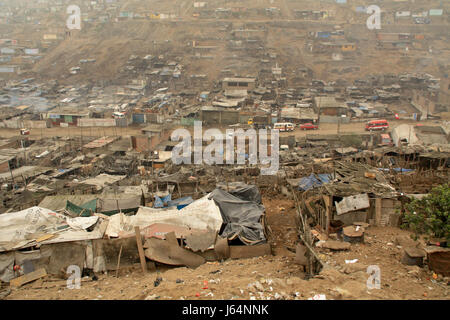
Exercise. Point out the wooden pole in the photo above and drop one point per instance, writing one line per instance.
(378, 211)
(118, 261)
(328, 203)
(140, 249)
(12, 176)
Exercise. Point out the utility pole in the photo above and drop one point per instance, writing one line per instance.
(12, 177)
(24, 151)
(339, 127)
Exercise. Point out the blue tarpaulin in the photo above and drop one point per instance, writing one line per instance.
(324, 177)
(180, 203)
(162, 202)
(313, 181)
(396, 169)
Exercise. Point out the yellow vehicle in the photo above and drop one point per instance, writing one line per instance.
(250, 121)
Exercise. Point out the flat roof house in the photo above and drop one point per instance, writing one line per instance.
(238, 83)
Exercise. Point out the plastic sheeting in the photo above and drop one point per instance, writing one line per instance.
(180, 203)
(85, 210)
(160, 202)
(313, 181)
(201, 214)
(6, 266)
(82, 223)
(15, 226)
(241, 218)
(110, 207)
(21, 229)
(243, 191)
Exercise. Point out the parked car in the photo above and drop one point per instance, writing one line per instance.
(309, 126)
(421, 20)
(24, 132)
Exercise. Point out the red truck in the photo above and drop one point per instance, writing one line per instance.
(309, 126)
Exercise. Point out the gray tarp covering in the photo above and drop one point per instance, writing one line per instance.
(241, 218)
(243, 191)
(6, 266)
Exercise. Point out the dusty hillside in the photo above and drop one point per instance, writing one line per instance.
(268, 277)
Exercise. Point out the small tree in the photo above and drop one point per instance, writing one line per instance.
(430, 215)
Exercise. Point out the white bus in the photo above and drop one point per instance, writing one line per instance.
(284, 126)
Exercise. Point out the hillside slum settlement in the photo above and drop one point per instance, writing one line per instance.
(87, 180)
(110, 207)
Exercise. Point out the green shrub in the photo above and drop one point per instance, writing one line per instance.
(430, 215)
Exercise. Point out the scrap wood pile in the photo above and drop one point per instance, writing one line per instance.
(352, 182)
(357, 178)
(305, 254)
(348, 189)
(37, 242)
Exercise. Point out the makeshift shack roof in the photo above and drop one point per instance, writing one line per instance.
(25, 171)
(299, 113)
(429, 138)
(435, 155)
(242, 191)
(235, 93)
(201, 214)
(120, 145)
(64, 171)
(327, 102)
(209, 108)
(123, 191)
(357, 178)
(249, 80)
(242, 218)
(175, 177)
(314, 181)
(163, 156)
(106, 203)
(115, 205)
(103, 179)
(225, 104)
(100, 143)
(60, 111)
(59, 202)
(24, 228)
(347, 150)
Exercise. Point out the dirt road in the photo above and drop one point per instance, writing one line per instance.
(73, 132)
(324, 128)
